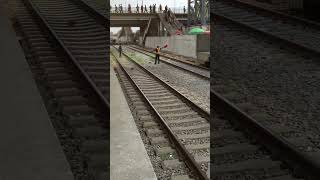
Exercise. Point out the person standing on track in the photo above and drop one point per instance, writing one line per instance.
(157, 58)
(120, 50)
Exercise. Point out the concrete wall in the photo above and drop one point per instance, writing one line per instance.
(125, 39)
(185, 45)
(203, 43)
(296, 4)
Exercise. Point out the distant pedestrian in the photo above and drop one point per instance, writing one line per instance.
(120, 50)
(157, 58)
(129, 8)
(184, 9)
(141, 8)
(116, 8)
(169, 15)
(120, 8)
(150, 7)
(160, 8)
(145, 9)
(165, 8)
(137, 8)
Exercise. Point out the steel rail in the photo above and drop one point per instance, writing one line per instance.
(102, 18)
(201, 111)
(217, 16)
(174, 65)
(190, 161)
(174, 59)
(45, 23)
(302, 163)
(280, 14)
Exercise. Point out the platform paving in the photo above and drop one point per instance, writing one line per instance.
(128, 156)
(29, 147)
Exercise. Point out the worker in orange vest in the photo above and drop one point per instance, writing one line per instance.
(157, 50)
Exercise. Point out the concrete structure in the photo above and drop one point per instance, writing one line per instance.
(142, 20)
(137, 19)
(198, 12)
(125, 35)
(279, 5)
(128, 157)
(29, 146)
(183, 45)
(195, 46)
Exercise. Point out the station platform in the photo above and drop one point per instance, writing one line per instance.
(29, 147)
(128, 157)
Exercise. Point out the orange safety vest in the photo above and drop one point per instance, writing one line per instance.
(157, 50)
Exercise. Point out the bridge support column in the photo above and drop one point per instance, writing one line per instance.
(154, 29)
(142, 29)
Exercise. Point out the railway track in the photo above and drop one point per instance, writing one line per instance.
(292, 31)
(99, 7)
(244, 62)
(82, 38)
(191, 85)
(178, 129)
(251, 146)
(66, 50)
(195, 70)
(236, 156)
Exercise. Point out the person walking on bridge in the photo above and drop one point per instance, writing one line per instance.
(184, 9)
(160, 8)
(120, 8)
(141, 8)
(120, 50)
(169, 16)
(137, 8)
(145, 9)
(129, 8)
(154, 8)
(150, 8)
(116, 8)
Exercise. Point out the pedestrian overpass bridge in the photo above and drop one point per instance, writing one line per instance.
(138, 19)
(151, 24)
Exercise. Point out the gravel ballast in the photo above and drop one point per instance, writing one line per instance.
(281, 82)
(195, 88)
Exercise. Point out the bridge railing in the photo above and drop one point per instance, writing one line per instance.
(134, 10)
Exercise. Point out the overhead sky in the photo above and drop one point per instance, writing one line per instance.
(170, 3)
(116, 29)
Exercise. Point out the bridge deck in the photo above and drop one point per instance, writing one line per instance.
(137, 19)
